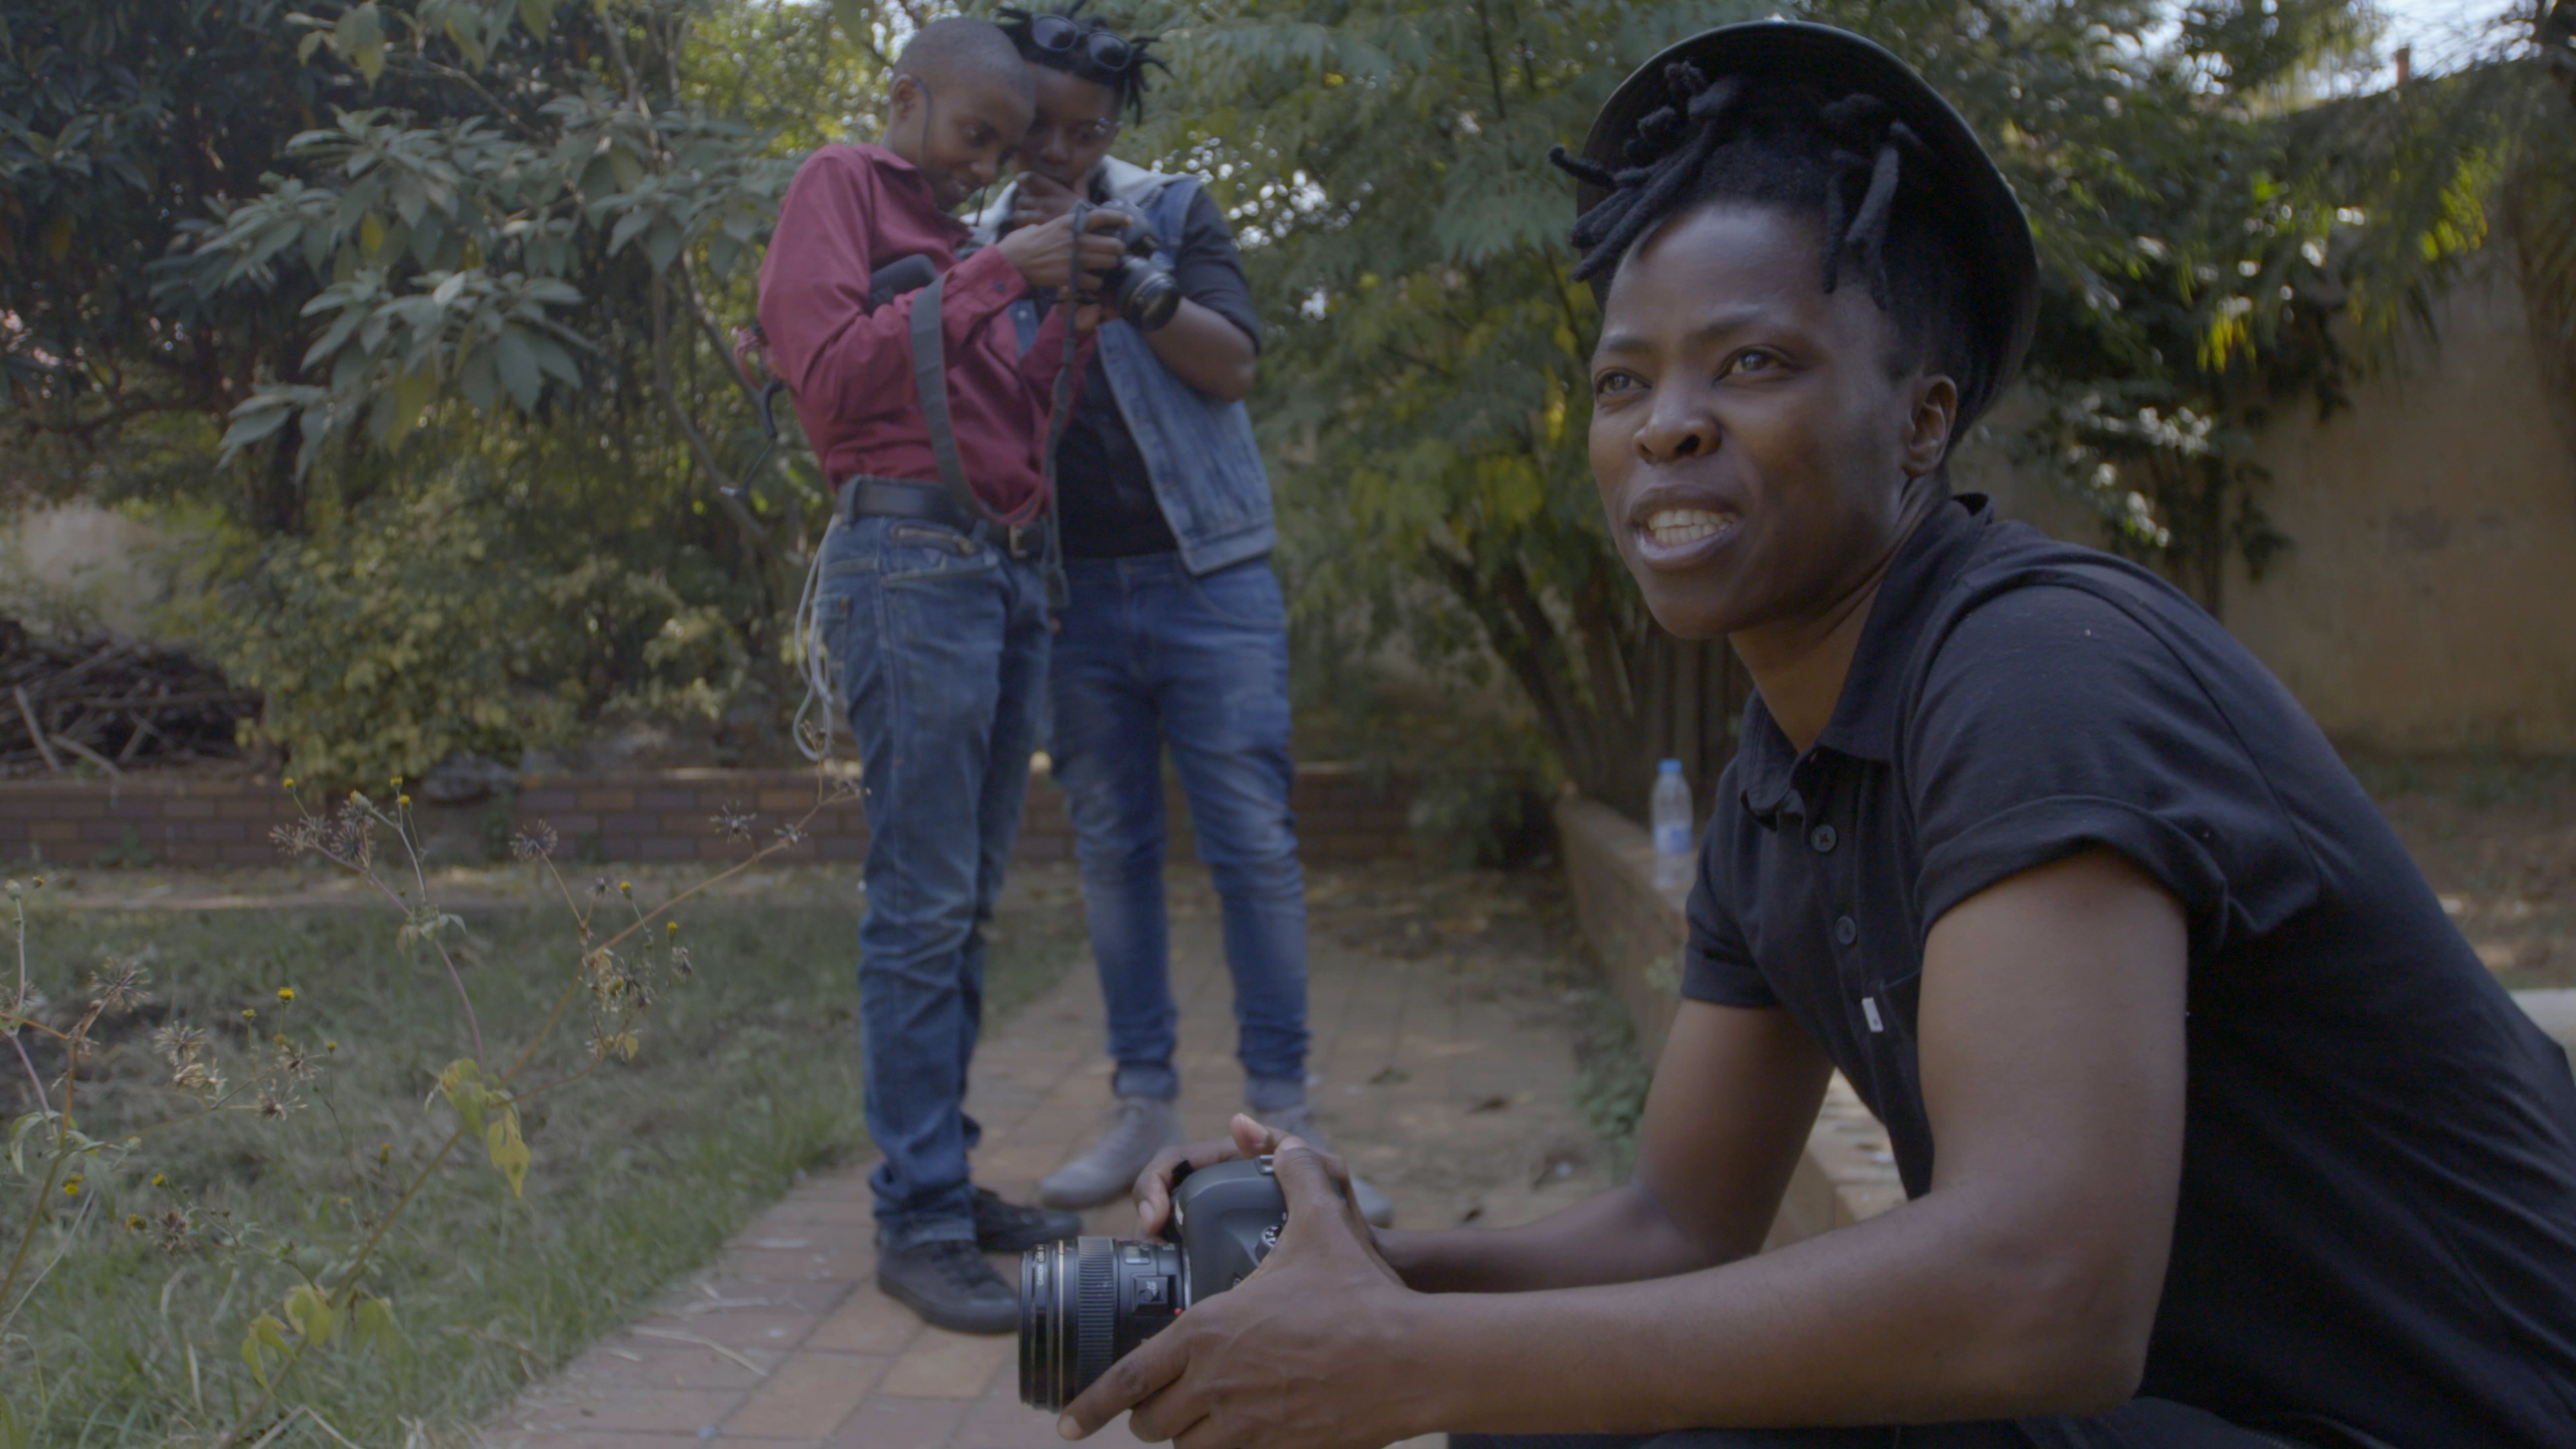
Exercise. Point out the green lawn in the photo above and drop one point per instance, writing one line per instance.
(748, 1073)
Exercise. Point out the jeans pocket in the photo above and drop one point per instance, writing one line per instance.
(918, 551)
(1241, 596)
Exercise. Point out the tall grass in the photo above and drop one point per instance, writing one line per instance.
(748, 1073)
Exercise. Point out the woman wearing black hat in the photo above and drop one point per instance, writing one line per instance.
(2214, 1130)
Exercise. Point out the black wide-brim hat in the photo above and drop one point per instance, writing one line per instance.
(1993, 236)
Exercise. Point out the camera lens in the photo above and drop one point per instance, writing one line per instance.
(1147, 295)
(1086, 1303)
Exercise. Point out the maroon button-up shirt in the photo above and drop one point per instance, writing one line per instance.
(851, 210)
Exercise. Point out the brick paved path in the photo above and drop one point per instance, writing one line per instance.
(1440, 1008)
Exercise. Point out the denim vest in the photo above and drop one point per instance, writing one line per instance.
(1205, 467)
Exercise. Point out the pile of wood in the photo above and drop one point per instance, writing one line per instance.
(109, 706)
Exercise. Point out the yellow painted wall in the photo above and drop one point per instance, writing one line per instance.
(2429, 599)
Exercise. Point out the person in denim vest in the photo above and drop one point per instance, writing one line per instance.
(1176, 635)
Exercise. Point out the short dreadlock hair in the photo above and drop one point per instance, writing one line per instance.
(1791, 144)
(1127, 81)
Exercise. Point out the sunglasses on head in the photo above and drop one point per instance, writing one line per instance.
(1058, 35)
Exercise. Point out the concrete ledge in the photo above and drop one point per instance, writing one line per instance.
(1636, 933)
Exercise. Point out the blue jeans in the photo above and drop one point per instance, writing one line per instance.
(939, 647)
(1152, 658)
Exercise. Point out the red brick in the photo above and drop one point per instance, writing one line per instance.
(547, 800)
(664, 847)
(607, 799)
(630, 824)
(188, 809)
(666, 800)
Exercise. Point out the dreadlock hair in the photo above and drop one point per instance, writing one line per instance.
(1126, 81)
(1793, 145)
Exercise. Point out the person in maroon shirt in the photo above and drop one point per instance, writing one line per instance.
(932, 606)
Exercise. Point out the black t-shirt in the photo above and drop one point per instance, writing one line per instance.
(1104, 497)
(2377, 1220)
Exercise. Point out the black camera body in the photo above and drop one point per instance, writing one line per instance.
(1086, 1303)
(1145, 290)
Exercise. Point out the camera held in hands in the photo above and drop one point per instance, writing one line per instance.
(1087, 1303)
(1145, 290)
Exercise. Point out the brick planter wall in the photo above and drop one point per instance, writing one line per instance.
(658, 815)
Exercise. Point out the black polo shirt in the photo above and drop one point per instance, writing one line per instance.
(2377, 1221)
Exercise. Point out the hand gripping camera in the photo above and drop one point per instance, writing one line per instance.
(1087, 1303)
(1145, 290)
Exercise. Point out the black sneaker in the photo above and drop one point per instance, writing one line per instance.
(1002, 1227)
(950, 1285)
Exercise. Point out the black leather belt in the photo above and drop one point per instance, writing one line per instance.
(866, 496)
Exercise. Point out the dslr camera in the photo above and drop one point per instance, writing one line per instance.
(1087, 1303)
(1145, 291)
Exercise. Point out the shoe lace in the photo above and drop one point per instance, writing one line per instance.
(1129, 1124)
(958, 1261)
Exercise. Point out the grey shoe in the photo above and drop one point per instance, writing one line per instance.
(1299, 1121)
(1139, 1127)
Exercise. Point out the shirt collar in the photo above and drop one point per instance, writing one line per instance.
(1864, 719)
(910, 180)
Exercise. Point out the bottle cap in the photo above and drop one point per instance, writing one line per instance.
(1672, 767)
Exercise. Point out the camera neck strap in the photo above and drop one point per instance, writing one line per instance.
(930, 380)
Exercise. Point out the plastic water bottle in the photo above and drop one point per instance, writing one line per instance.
(1670, 810)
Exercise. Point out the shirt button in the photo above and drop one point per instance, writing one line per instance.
(1846, 930)
(1822, 838)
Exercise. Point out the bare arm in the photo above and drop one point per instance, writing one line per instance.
(1734, 1095)
(2025, 1282)
(1206, 351)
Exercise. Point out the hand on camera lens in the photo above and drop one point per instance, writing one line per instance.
(1306, 1353)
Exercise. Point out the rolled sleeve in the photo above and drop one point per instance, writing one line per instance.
(2053, 722)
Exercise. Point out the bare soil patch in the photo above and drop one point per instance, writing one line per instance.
(2497, 839)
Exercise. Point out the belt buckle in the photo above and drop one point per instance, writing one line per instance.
(1011, 539)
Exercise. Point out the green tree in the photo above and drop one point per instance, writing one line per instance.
(502, 236)
(1423, 385)
(118, 119)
